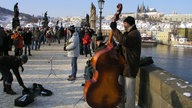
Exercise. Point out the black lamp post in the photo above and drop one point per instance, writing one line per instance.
(101, 5)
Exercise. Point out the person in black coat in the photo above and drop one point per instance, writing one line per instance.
(81, 35)
(129, 44)
(2, 39)
(13, 63)
(7, 43)
(27, 41)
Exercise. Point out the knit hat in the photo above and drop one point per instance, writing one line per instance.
(24, 58)
(72, 28)
(130, 20)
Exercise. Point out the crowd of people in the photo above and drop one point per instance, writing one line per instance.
(23, 40)
(76, 42)
(28, 39)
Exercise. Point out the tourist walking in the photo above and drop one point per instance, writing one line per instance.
(81, 35)
(27, 41)
(86, 43)
(18, 41)
(49, 35)
(36, 36)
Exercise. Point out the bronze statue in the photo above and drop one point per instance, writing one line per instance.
(45, 21)
(15, 20)
(45, 15)
(16, 10)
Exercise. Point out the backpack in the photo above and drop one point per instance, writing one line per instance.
(144, 61)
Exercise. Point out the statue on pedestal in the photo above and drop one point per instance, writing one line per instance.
(15, 21)
(45, 21)
(16, 10)
(93, 17)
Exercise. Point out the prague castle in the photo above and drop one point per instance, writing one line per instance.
(151, 14)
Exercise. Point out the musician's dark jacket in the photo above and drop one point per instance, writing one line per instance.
(13, 63)
(130, 46)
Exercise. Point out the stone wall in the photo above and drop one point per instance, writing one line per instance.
(156, 88)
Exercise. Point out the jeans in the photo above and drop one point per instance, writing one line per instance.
(128, 85)
(36, 44)
(39, 44)
(74, 66)
(32, 44)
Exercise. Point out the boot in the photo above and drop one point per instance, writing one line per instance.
(9, 90)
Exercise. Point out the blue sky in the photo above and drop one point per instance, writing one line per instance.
(58, 8)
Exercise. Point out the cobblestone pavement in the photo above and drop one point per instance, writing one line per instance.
(66, 94)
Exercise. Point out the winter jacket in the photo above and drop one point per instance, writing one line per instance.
(20, 42)
(13, 63)
(130, 46)
(28, 37)
(86, 39)
(2, 36)
(36, 34)
(73, 46)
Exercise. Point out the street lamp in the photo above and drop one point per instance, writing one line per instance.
(101, 5)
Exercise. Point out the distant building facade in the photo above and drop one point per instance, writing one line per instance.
(178, 17)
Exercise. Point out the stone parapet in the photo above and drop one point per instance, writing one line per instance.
(156, 88)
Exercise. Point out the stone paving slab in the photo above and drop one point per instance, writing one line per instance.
(66, 94)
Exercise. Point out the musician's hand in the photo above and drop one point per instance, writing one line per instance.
(113, 25)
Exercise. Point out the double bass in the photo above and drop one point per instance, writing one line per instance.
(104, 90)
